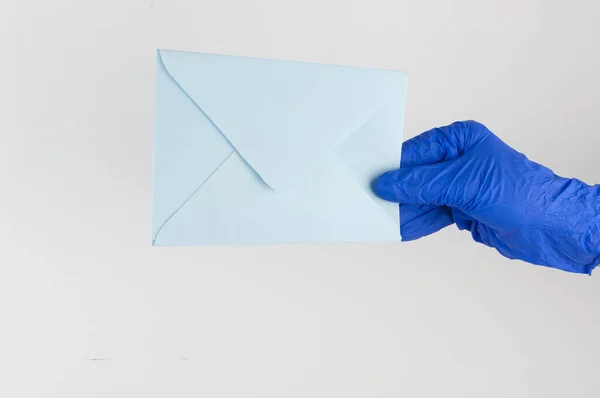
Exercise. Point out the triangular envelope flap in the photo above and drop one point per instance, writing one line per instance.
(187, 149)
(284, 118)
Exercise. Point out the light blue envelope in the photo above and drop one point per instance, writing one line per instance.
(256, 151)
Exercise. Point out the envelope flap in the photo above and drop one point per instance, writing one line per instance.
(284, 118)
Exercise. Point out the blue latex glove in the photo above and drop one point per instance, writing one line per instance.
(464, 174)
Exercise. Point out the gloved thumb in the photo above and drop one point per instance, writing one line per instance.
(441, 184)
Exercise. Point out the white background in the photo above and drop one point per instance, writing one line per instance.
(89, 309)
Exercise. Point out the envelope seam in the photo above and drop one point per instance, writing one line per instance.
(345, 169)
(191, 196)
(207, 116)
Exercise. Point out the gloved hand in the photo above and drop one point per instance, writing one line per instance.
(464, 174)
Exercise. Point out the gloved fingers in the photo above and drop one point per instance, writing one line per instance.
(442, 143)
(462, 220)
(432, 185)
(417, 221)
(479, 231)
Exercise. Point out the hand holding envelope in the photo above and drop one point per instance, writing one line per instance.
(255, 151)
